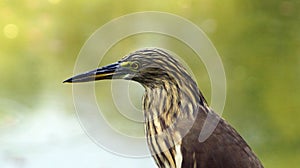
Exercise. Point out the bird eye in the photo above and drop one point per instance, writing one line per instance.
(135, 65)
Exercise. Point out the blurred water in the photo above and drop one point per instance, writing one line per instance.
(51, 138)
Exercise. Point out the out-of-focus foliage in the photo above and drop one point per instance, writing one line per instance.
(259, 42)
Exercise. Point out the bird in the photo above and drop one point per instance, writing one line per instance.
(174, 112)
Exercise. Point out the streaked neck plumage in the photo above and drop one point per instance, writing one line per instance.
(172, 97)
(169, 103)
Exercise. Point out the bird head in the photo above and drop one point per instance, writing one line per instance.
(147, 66)
(164, 78)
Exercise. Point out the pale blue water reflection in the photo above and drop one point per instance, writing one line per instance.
(49, 137)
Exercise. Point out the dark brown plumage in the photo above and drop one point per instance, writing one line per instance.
(224, 148)
(174, 111)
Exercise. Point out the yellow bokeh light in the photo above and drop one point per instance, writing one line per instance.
(54, 1)
(11, 31)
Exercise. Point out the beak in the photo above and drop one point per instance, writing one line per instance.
(106, 72)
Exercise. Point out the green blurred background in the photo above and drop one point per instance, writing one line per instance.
(258, 41)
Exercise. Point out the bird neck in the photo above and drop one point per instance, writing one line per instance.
(170, 101)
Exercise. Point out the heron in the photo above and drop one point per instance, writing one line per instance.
(174, 112)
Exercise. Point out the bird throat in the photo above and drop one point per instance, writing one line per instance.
(169, 110)
(170, 102)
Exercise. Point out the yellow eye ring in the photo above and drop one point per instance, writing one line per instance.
(134, 65)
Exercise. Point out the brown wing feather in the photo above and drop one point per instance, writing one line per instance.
(225, 148)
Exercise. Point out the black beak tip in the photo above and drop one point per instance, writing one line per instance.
(68, 80)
